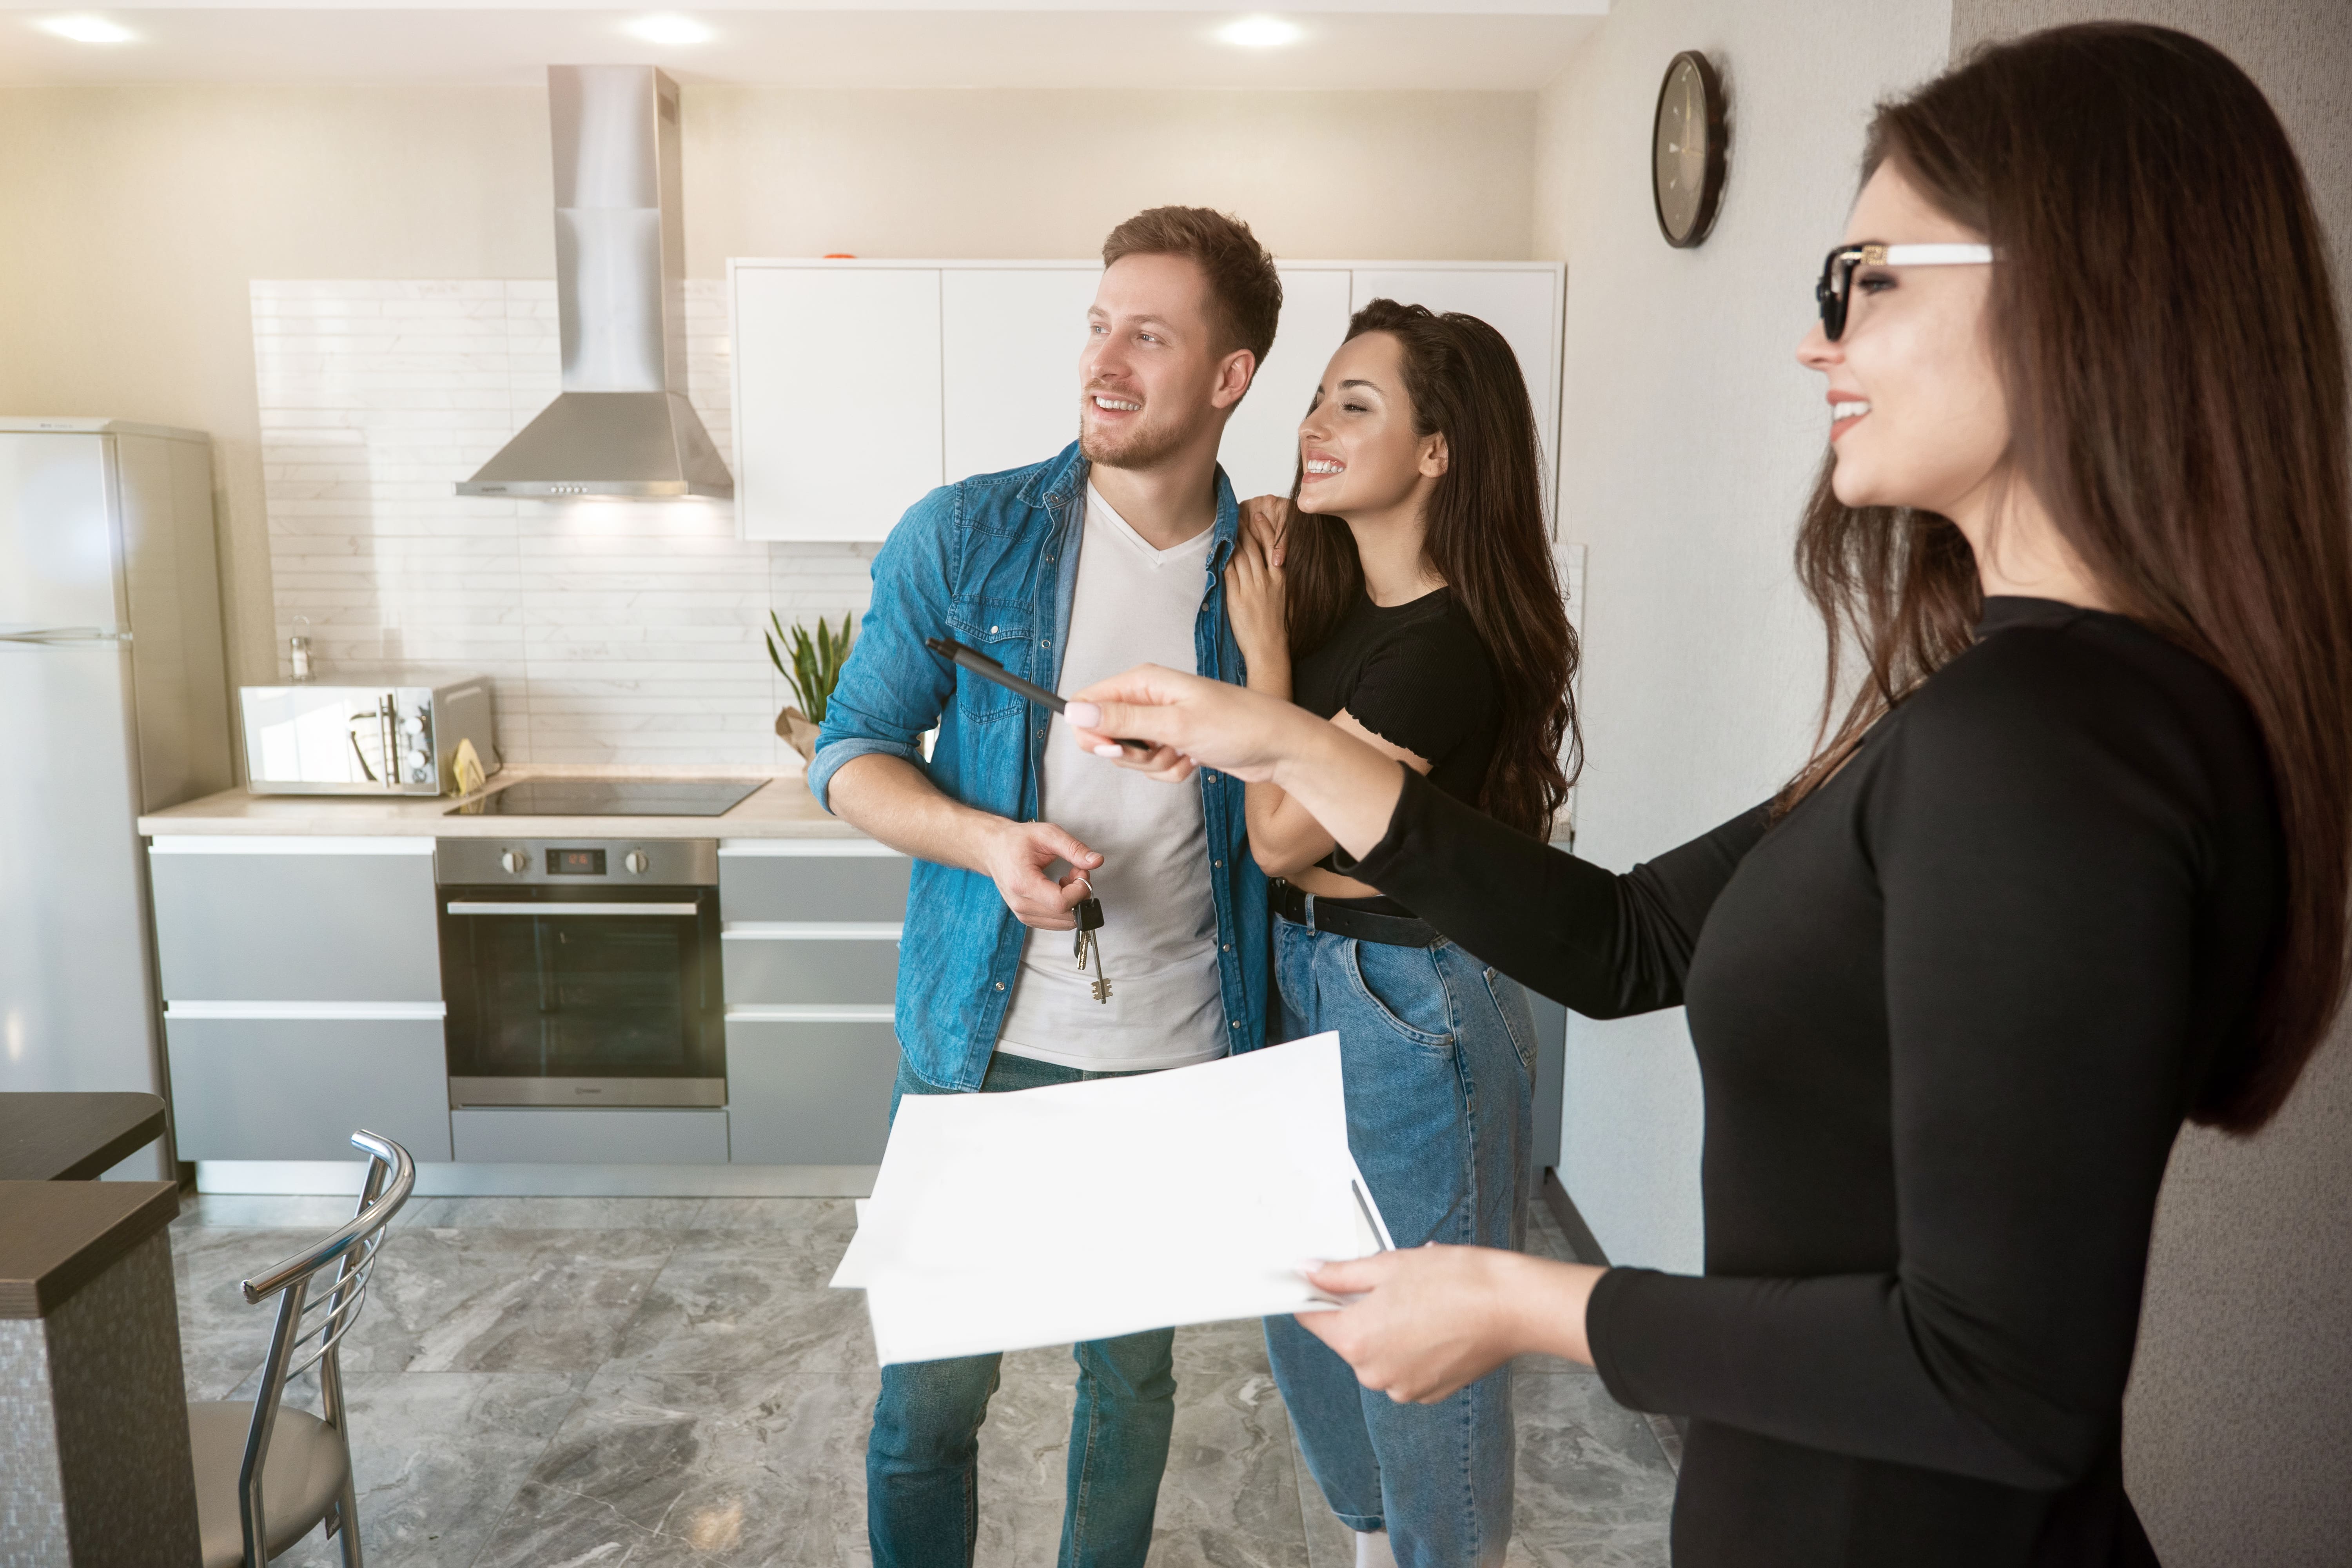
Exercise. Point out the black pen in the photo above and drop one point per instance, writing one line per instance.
(987, 668)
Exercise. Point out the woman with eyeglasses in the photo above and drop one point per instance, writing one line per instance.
(2030, 904)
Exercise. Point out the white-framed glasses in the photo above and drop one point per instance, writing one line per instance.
(1835, 290)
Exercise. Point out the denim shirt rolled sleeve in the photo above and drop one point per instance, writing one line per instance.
(892, 687)
(992, 561)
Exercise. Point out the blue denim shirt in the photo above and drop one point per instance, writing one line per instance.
(993, 563)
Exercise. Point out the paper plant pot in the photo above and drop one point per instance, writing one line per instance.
(796, 727)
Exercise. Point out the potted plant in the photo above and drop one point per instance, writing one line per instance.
(814, 667)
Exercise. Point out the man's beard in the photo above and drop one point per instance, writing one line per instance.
(1145, 446)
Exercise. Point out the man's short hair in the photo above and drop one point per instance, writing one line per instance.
(1243, 288)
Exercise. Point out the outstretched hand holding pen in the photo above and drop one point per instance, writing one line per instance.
(1193, 723)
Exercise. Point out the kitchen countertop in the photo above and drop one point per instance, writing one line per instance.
(784, 809)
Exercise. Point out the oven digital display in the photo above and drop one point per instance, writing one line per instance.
(575, 862)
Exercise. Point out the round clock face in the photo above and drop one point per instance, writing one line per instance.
(1686, 159)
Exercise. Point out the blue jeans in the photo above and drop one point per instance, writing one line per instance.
(1437, 1058)
(922, 1493)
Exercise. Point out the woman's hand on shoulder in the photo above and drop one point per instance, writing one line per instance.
(1256, 595)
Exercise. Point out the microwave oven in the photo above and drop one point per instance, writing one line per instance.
(392, 733)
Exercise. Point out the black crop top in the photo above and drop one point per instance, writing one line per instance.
(1418, 676)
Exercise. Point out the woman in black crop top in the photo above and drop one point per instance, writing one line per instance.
(2072, 868)
(1413, 551)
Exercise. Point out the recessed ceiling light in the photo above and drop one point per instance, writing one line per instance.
(87, 29)
(669, 29)
(1260, 32)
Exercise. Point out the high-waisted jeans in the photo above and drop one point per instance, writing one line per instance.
(922, 1495)
(1437, 1055)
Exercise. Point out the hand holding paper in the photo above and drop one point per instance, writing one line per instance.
(1088, 1210)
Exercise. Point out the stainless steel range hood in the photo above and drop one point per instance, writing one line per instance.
(622, 427)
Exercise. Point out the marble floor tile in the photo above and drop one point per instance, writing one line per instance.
(556, 1213)
(439, 1457)
(829, 1216)
(221, 1338)
(713, 1470)
(1594, 1489)
(456, 1298)
(1025, 1449)
(748, 1302)
(1230, 1498)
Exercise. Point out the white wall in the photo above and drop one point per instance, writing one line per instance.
(1689, 436)
(2237, 1430)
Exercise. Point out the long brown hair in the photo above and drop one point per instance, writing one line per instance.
(2165, 327)
(1485, 537)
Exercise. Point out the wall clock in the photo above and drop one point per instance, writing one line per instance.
(1686, 150)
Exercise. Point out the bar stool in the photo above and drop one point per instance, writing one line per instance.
(265, 1476)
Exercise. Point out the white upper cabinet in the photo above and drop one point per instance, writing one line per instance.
(1010, 340)
(1260, 451)
(860, 385)
(836, 397)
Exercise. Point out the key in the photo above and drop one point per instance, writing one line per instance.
(1090, 914)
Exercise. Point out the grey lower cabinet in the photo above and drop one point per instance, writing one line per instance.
(810, 1091)
(296, 1088)
(306, 919)
(809, 942)
(301, 981)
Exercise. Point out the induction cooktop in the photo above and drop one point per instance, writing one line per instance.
(611, 797)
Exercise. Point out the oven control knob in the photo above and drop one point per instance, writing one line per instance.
(636, 862)
(514, 860)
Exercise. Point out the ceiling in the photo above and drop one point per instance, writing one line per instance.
(1497, 45)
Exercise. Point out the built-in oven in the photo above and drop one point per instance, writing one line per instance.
(582, 972)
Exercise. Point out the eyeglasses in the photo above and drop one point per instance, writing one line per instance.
(1835, 290)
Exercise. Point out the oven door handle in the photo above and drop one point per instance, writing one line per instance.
(467, 907)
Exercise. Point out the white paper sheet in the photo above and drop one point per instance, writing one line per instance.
(1003, 1221)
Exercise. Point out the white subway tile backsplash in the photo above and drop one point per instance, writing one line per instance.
(613, 632)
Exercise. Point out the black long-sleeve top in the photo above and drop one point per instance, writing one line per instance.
(1950, 1013)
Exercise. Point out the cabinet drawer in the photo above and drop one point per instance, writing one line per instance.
(617, 1137)
(789, 963)
(823, 881)
(296, 1088)
(310, 922)
(809, 1093)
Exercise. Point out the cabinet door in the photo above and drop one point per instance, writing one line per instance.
(313, 919)
(836, 398)
(296, 1088)
(1522, 305)
(1260, 451)
(814, 880)
(809, 1093)
(1010, 338)
(789, 963)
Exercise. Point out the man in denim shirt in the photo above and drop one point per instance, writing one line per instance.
(1105, 556)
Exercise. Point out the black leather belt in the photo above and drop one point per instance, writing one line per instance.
(1340, 920)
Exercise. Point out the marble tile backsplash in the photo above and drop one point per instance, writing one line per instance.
(615, 632)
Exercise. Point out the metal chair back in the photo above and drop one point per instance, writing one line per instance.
(310, 1325)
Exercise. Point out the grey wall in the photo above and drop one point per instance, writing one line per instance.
(1689, 436)
(2238, 1435)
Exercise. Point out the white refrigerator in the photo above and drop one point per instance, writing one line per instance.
(114, 699)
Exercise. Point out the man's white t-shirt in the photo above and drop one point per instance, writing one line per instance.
(1133, 605)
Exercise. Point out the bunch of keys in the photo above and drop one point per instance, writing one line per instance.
(1089, 910)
